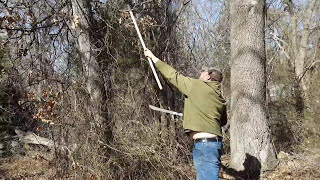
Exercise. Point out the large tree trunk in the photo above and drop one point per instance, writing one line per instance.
(91, 67)
(252, 150)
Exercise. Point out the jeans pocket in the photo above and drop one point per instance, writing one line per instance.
(198, 146)
(197, 154)
(212, 152)
(216, 145)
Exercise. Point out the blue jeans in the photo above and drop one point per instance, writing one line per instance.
(206, 159)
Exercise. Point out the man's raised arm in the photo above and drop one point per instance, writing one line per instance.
(181, 82)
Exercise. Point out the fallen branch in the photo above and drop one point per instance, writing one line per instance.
(31, 138)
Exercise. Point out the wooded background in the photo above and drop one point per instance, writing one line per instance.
(74, 72)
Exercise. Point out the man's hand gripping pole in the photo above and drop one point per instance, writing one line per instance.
(144, 46)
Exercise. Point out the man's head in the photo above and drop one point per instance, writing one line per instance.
(211, 74)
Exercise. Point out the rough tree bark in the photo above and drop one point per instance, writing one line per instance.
(91, 67)
(252, 150)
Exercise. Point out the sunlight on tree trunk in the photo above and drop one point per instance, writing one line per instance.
(251, 146)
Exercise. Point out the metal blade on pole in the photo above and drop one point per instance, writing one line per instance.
(165, 111)
(144, 46)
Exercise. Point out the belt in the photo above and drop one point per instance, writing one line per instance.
(213, 139)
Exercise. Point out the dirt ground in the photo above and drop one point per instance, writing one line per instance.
(304, 166)
(39, 165)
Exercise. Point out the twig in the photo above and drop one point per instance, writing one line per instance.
(99, 141)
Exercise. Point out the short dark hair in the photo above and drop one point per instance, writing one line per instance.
(215, 73)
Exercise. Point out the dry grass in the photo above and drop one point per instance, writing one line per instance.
(31, 166)
(298, 166)
(40, 165)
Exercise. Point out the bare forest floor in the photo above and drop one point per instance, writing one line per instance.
(32, 165)
(40, 165)
(302, 166)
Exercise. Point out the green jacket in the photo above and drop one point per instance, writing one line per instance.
(204, 106)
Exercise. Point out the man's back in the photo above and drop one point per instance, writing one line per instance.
(204, 107)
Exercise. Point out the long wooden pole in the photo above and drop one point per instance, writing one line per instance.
(144, 46)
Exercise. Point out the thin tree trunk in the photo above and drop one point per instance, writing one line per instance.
(252, 150)
(300, 53)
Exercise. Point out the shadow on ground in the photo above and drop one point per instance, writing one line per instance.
(252, 169)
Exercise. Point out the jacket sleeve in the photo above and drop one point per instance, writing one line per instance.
(181, 82)
(224, 117)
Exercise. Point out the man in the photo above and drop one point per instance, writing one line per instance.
(204, 114)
